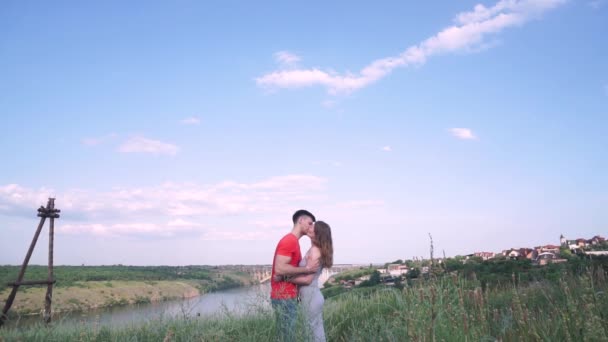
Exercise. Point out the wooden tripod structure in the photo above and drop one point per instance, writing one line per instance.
(43, 212)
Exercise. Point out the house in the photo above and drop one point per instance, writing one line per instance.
(596, 240)
(596, 253)
(358, 281)
(548, 258)
(550, 249)
(397, 269)
(582, 243)
(512, 253)
(521, 253)
(485, 255)
(528, 253)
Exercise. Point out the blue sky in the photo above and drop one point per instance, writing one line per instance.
(188, 132)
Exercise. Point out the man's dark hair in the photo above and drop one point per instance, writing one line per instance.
(301, 213)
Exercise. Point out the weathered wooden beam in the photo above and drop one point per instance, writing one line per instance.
(32, 282)
(49, 212)
(49, 289)
(11, 296)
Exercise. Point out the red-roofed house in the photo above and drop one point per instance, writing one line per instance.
(485, 255)
(596, 240)
(550, 249)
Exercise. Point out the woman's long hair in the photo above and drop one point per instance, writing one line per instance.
(324, 242)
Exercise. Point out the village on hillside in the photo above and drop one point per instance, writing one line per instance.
(542, 255)
(397, 272)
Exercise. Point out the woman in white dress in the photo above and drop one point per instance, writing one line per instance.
(322, 253)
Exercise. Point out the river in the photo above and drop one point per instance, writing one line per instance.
(236, 301)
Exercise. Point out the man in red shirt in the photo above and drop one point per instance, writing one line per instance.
(287, 257)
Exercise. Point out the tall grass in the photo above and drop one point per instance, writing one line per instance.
(447, 309)
(453, 309)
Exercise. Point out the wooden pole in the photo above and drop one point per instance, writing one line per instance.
(49, 288)
(11, 297)
(31, 282)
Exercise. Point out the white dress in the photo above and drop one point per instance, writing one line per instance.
(312, 306)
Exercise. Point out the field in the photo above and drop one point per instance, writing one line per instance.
(80, 288)
(88, 295)
(450, 308)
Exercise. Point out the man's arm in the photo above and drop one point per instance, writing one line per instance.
(312, 259)
(283, 268)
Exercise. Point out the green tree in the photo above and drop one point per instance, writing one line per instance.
(565, 252)
(373, 280)
(452, 264)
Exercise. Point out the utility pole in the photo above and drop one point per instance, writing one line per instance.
(43, 212)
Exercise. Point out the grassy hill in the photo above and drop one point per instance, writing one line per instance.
(450, 308)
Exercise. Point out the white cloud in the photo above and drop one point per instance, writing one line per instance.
(16, 200)
(467, 34)
(169, 209)
(145, 145)
(286, 58)
(98, 141)
(193, 120)
(463, 133)
(179, 222)
(387, 148)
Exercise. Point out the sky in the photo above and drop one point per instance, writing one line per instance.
(188, 132)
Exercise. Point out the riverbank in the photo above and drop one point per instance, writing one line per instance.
(83, 288)
(83, 296)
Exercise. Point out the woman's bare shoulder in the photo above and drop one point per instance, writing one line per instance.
(315, 252)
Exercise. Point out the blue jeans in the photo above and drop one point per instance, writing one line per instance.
(286, 312)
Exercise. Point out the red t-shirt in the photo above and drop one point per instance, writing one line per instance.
(288, 246)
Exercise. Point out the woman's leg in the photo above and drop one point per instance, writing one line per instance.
(315, 318)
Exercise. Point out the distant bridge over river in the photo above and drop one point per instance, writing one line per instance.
(262, 273)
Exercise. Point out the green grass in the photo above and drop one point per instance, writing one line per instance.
(354, 273)
(574, 308)
(70, 275)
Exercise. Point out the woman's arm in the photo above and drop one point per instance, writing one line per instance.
(313, 258)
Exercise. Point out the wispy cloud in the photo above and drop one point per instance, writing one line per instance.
(170, 209)
(328, 104)
(91, 141)
(333, 163)
(468, 33)
(193, 120)
(387, 148)
(223, 235)
(145, 145)
(463, 133)
(360, 204)
(134, 229)
(286, 58)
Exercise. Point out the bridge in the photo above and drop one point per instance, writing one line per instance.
(263, 274)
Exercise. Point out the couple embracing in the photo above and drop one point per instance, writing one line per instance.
(295, 277)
